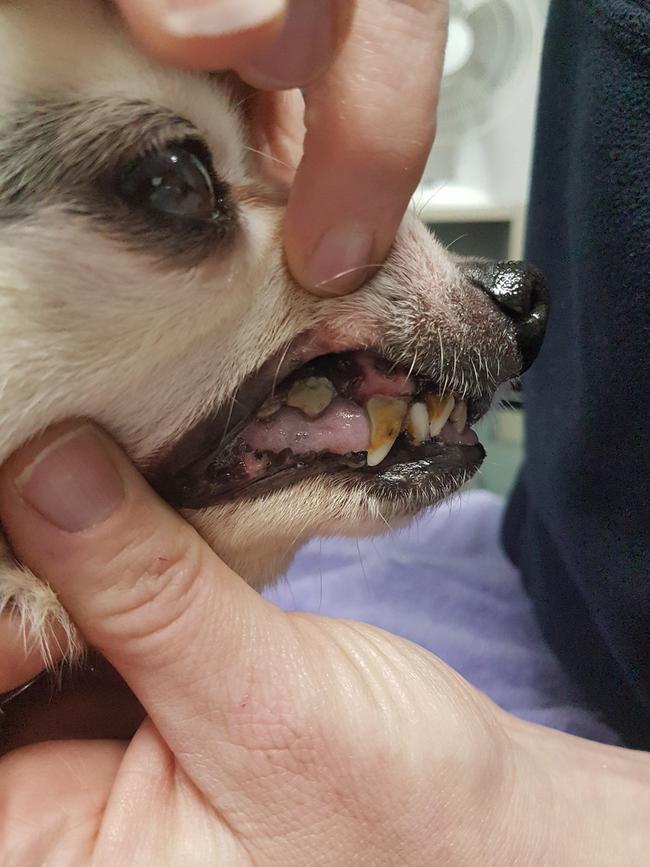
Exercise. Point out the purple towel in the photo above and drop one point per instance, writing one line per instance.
(444, 583)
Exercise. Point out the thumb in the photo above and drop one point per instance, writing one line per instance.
(188, 635)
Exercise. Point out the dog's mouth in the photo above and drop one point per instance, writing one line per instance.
(353, 414)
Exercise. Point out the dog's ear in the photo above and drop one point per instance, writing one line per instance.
(41, 616)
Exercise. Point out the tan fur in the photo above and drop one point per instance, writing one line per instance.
(91, 328)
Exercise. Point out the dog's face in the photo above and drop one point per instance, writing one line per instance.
(142, 284)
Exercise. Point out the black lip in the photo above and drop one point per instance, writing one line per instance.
(405, 465)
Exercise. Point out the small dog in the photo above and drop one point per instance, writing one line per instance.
(142, 284)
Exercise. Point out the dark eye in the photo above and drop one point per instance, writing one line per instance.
(175, 180)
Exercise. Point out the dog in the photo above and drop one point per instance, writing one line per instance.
(143, 285)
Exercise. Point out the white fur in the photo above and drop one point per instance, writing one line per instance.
(90, 328)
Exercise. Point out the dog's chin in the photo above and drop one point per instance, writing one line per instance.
(259, 536)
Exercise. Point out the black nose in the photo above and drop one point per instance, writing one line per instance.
(519, 290)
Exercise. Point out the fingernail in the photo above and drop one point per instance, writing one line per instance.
(300, 51)
(72, 483)
(341, 259)
(217, 17)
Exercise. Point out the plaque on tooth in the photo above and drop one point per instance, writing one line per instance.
(386, 416)
(311, 396)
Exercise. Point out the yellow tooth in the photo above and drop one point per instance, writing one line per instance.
(269, 408)
(418, 423)
(311, 395)
(386, 417)
(458, 418)
(440, 408)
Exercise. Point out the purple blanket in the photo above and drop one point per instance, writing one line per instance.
(444, 583)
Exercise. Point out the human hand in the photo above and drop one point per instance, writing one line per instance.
(270, 738)
(370, 73)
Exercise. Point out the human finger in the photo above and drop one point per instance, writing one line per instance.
(271, 43)
(370, 124)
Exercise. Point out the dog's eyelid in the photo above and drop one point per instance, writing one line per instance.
(146, 139)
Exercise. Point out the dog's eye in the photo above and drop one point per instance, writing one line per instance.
(175, 180)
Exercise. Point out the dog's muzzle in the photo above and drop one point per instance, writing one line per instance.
(355, 413)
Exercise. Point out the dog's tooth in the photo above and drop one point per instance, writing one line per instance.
(440, 408)
(386, 416)
(458, 418)
(311, 395)
(418, 423)
(269, 408)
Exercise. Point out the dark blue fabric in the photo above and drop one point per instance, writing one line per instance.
(578, 524)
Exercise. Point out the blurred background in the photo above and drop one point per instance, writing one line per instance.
(475, 187)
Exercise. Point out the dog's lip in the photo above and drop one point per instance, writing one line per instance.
(400, 468)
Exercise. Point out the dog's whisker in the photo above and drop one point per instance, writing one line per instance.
(226, 430)
(381, 516)
(244, 99)
(348, 271)
(456, 240)
(278, 369)
(363, 567)
(420, 208)
(269, 156)
(300, 535)
(413, 363)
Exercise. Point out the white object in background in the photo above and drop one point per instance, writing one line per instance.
(487, 104)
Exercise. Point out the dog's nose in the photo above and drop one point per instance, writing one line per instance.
(519, 290)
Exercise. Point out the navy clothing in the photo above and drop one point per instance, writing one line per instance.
(578, 524)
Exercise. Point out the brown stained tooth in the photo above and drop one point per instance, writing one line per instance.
(417, 423)
(440, 407)
(386, 416)
(269, 408)
(311, 395)
(458, 418)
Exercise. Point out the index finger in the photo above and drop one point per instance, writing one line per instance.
(272, 44)
(370, 126)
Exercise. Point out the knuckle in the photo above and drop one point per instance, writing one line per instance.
(152, 601)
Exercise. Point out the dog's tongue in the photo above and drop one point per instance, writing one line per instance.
(343, 427)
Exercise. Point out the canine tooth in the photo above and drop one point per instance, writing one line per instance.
(386, 417)
(269, 408)
(440, 408)
(418, 423)
(458, 418)
(311, 395)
